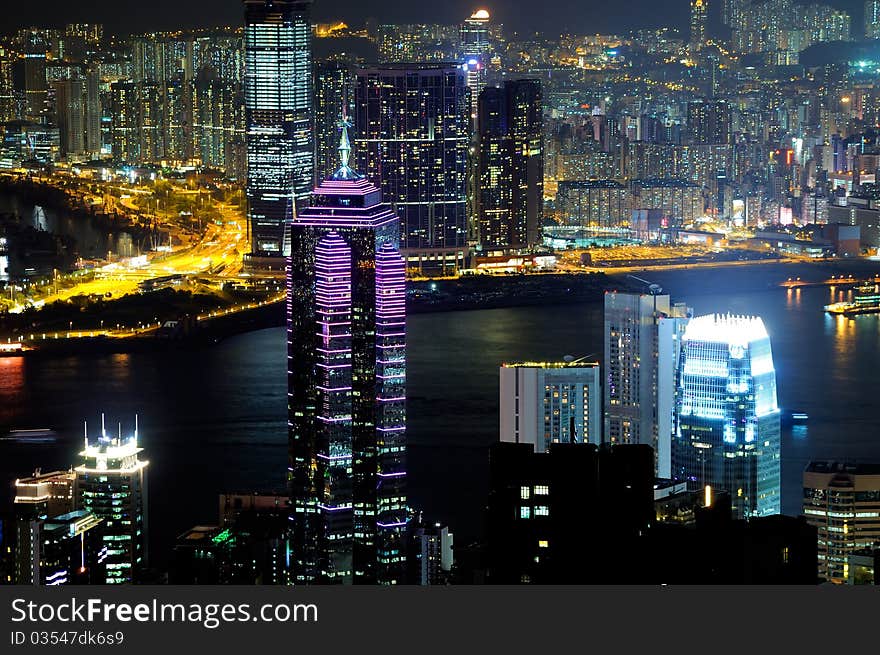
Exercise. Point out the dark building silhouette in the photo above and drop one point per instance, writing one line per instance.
(561, 517)
(585, 514)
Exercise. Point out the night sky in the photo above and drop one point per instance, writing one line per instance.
(581, 16)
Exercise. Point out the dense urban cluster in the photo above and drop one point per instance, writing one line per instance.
(370, 154)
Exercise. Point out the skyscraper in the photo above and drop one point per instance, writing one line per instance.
(346, 385)
(699, 17)
(278, 110)
(412, 139)
(550, 402)
(111, 483)
(510, 165)
(640, 370)
(475, 54)
(727, 420)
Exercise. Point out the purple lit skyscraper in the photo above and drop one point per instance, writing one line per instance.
(346, 321)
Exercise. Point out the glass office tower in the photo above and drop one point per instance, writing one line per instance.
(278, 110)
(346, 385)
(727, 420)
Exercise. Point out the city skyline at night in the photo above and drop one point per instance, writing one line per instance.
(450, 296)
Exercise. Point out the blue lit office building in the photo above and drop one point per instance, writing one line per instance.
(346, 339)
(278, 110)
(727, 419)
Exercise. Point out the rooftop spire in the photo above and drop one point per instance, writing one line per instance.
(344, 172)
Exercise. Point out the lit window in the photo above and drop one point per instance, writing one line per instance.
(542, 510)
(525, 512)
(541, 490)
(543, 543)
(524, 493)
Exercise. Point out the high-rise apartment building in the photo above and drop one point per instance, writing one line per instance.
(510, 165)
(727, 432)
(346, 320)
(111, 483)
(843, 502)
(709, 122)
(550, 402)
(640, 370)
(278, 109)
(872, 19)
(412, 139)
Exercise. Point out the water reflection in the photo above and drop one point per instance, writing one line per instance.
(11, 386)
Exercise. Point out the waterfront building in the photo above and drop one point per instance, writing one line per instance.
(346, 323)
(550, 402)
(680, 200)
(111, 483)
(278, 110)
(412, 140)
(640, 342)
(843, 502)
(727, 430)
(593, 203)
(510, 166)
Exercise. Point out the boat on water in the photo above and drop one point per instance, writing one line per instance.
(39, 435)
(12, 349)
(866, 300)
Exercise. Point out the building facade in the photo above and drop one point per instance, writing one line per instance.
(111, 483)
(510, 165)
(640, 334)
(346, 386)
(843, 502)
(278, 111)
(727, 432)
(550, 402)
(412, 139)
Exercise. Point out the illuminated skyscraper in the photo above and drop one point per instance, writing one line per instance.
(278, 109)
(412, 139)
(699, 16)
(346, 385)
(475, 53)
(727, 419)
(510, 165)
(111, 483)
